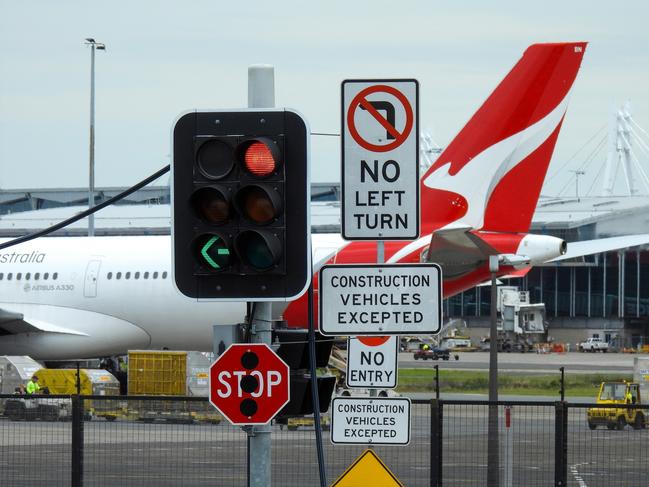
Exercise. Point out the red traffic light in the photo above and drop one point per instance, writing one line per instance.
(260, 157)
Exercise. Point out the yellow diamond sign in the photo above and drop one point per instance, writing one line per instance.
(367, 469)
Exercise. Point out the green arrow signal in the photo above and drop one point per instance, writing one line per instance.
(220, 251)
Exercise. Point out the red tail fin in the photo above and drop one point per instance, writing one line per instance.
(491, 174)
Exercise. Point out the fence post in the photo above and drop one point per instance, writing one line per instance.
(436, 428)
(561, 444)
(77, 441)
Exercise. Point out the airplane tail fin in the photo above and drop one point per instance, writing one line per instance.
(490, 176)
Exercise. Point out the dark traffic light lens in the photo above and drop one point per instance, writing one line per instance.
(212, 251)
(258, 205)
(260, 157)
(258, 250)
(215, 159)
(212, 205)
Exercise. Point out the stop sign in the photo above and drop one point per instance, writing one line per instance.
(249, 383)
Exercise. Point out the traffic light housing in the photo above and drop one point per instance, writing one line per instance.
(240, 191)
(293, 348)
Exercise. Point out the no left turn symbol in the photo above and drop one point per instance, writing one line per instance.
(383, 113)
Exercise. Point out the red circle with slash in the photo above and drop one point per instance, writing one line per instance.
(360, 100)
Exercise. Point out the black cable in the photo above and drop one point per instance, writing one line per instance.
(83, 214)
(314, 389)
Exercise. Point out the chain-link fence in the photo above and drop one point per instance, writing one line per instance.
(156, 441)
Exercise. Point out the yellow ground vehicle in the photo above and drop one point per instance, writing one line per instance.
(612, 394)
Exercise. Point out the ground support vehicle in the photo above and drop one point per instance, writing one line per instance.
(97, 382)
(611, 396)
(431, 353)
(26, 408)
(64, 382)
(593, 344)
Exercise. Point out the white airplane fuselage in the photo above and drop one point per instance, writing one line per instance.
(103, 295)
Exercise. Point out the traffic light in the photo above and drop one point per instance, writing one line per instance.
(240, 192)
(293, 348)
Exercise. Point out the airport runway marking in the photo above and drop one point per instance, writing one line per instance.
(575, 474)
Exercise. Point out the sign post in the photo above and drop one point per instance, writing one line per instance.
(380, 159)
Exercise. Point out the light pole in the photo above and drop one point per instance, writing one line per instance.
(493, 461)
(91, 187)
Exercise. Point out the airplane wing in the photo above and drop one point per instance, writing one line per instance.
(12, 323)
(589, 247)
(458, 250)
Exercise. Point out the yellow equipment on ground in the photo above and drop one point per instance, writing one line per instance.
(612, 394)
(169, 373)
(95, 382)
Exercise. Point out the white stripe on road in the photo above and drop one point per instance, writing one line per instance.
(575, 474)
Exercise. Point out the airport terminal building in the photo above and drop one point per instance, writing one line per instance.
(605, 294)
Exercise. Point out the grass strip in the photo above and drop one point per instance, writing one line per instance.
(477, 382)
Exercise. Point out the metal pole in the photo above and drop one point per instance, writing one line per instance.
(437, 382)
(91, 183)
(509, 472)
(315, 399)
(562, 390)
(493, 473)
(380, 259)
(259, 472)
(261, 94)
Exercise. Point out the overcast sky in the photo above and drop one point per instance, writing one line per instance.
(165, 57)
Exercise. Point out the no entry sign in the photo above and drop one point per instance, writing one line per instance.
(249, 383)
(380, 159)
(372, 361)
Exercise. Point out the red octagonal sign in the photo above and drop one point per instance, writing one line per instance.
(249, 383)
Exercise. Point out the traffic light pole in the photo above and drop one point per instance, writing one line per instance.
(259, 466)
(261, 94)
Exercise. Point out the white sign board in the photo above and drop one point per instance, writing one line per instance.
(372, 362)
(380, 299)
(380, 159)
(370, 421)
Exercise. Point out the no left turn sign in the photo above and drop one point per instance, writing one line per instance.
(380, 159)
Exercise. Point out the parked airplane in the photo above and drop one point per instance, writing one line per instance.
(73, 297)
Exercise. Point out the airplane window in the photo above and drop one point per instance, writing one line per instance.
(155, 275)
(164, 275)
(118, 275)
(146, 275)
(18, 276)
(37, 276)
(109, 275)
(1, 276)
(28, 276)
(137, 275)
(9, 276)
(55, 276)
(127, 275)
